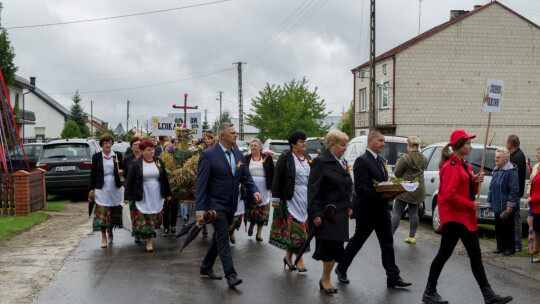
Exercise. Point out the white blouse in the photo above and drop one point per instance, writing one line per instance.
(109, 195)
(152, 200)
(256, 168)
(297, 206)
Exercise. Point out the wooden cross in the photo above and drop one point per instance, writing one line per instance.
(185, 107)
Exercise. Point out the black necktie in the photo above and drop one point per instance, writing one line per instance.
(379, 159)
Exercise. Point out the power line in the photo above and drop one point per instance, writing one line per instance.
(145, 86)
(116, 17)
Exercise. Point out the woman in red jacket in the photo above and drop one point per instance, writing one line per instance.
(457, 210)
(534, 201)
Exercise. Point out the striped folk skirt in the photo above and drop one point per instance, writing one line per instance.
(286, 232)
(259, 215)
(107, 217)
(145, 225)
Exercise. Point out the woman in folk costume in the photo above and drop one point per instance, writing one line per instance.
(147, 189)
(289, 198)
(107, 189)
(261, 168)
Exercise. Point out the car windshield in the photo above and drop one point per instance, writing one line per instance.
(475, 160)
(65, 150)
(392, 150)
(313, 145)
(279, 146)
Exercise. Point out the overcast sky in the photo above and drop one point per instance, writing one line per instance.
(153, 59)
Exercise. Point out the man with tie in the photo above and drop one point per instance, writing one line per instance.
(220, 172)
(371, 212)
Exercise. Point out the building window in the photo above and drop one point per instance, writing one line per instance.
(17, 100)
(362, 75)
(40, 132)
(384, 69)
(382, 95)
(363, 100)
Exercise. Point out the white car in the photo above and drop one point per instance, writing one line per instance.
(274, 147)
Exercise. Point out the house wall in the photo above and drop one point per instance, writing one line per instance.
(440, 81)
(383, 116)
(46, 117)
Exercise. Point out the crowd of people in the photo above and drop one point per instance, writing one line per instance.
(317, 194)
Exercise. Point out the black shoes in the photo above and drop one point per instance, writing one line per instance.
(508, 253)
(233, 240)
(233, 281)
(210, 274)
(259, 239)
(250, 232)
(431, 296)
(291, 268)
(393, 283)
(497, 251)
(327, 291)
(490, 297)
(166, 232)
(302, 269)
(342, 277)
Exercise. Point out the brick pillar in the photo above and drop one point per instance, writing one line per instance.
(43, 182)
(21, 187)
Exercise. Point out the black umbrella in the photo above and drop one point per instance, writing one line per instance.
(314, 232)
(209, 217)
(186, 229)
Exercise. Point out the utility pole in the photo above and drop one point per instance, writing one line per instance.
(240, 103)
(419, 14)
(147, 126)
(137, 129)
(206, 115)
(127, 117)
(220, 95)
(372, 67)
(91, 117)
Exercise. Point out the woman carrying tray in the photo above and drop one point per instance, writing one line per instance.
(457, 210)
(410, 167)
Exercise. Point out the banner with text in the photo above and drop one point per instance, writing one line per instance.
(193, 120)
(493, 96)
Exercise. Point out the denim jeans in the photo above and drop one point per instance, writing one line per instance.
(185, 210)
(399, 207)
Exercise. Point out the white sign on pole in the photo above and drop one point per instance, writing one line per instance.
(493, 96)
(193, 121)
(163, 126)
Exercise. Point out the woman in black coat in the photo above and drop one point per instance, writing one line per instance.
(107, 189)
(330, 184)
(147, 190)
(261, 168)
(131, 155)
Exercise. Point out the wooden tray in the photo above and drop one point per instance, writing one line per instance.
(397, 187)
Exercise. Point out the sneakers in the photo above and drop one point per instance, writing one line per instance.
(173, 230)
(410, 240)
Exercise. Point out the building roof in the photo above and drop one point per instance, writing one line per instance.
(23, 83)
(434, 31)
(119, 129)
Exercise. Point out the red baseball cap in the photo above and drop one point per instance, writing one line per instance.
(459, 134)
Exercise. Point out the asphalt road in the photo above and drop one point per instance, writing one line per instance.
(125, 273)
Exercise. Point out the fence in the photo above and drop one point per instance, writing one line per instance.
(23, 192)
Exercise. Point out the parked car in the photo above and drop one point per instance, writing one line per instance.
(431, 180)
(274, 147)
(395, 146)
(32, 152)
(313, 146)
(67, 164)
(243, 146)
(120, 147)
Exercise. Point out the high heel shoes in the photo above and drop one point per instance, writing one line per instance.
(285, 263)
(327, 291)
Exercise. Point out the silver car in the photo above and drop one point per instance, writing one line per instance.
(431, 181)
(274, 147)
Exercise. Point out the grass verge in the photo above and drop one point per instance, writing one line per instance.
(55, 203)
(10, 226)
(487, 232)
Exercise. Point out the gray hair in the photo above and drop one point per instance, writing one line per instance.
(223, 127)
(258, 141)
(335, 136)
(505, 152)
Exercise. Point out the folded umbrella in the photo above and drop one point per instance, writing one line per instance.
(91, 203)
(314, 232)
(531, 235)
(186, 229)
(209, 217)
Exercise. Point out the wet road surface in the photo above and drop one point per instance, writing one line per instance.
(125, 273)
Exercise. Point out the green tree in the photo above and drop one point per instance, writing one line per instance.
(7, 54)
(71, 130)
(99, 132)
(205, 125)
(346, 125)
(78, 116)
(224, 117)
(278, 111)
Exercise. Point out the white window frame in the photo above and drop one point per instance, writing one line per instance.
(362, 75)
(363, 100)
(384, 69)
(382, 96)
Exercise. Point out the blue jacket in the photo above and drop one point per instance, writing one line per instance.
(504, 188)
(217, 188)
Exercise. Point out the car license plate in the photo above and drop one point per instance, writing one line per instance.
(64, 168)
(485, 213)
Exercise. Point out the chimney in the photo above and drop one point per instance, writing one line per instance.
(477, 6)
(33, 81)
(454, 14)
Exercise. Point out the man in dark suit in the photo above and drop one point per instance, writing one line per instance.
(220, 173)
(517, 157)
(371, 212)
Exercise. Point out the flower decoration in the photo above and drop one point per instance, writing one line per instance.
(116, 159)
(263, 160)
(309, 161)
(239, 164)
(386, 165)
(158, 164)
